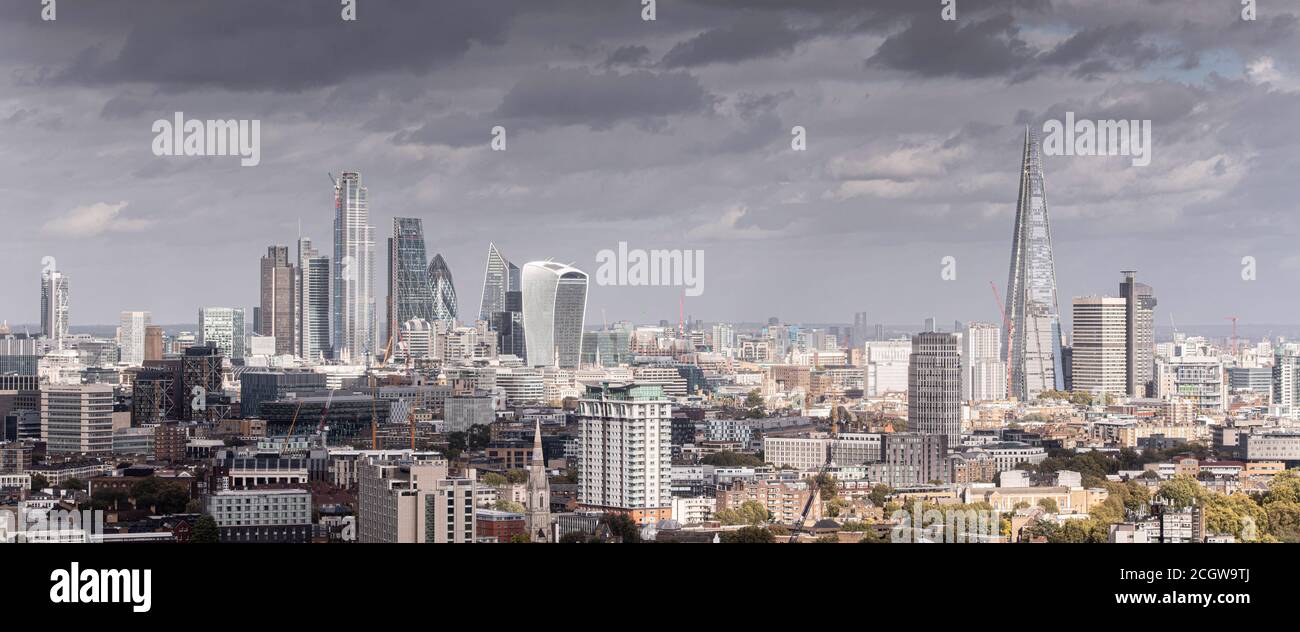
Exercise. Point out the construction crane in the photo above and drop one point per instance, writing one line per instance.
(322, 428)
(1234, 334)
(814, 495)
(1008, 327)
(374, 419)
(294, 421)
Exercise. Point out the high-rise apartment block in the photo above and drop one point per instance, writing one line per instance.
(934, 386)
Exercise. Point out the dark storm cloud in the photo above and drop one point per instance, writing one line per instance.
(937, 48)
(752, 36)
(288, 45)
(556, 97)
(632, 55)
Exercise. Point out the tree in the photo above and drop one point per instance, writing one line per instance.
(1236, 514)
(728, 458)
(872, 536)
(205, 531)
(479, 436)
(108, 499)
(509, 505)
(879, 494)
(825, 484)
(73, 483)
(1181, 491)
(160, 497)
(492, 479)
(574, 537)
(749, 512)
(748, 535)
(1049, 505)
(828, 539)
(39, 482)
(517, 476)
(621, 525)
(520, 538)
(754, 399)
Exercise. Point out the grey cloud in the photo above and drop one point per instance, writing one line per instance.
(753, 36)
(937, 48)
(577, 96)
(286, 45)
(631, 55)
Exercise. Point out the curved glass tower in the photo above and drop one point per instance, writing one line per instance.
(1032, 345)
(442, 289)
(555, 306)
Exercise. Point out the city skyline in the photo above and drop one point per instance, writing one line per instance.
(893, 179)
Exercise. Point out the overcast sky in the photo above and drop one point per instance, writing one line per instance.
(666, 134)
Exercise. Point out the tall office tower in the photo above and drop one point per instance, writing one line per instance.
(1033, 345)
(222, 327)
(984, 374)
(555, 306)
(77, 418)
(497, 280)
(934, 386)
(930, 325)
(54, 307)
(724, 338)
(354, 335)
(859, 334)
(153, 343)
(409, 292)
(539, 490)
(443, 290)
(313, 303)
(1098, 361)
(130, 337)
(1139, 334)
(625, 449)
(509, 325)
(279, 311)
(880, 332)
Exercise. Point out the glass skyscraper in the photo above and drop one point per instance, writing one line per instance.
(222, 327)
(496, 282)
(443, 289)
(555, 307)
(1033, 341)
(409, 293)
(54, 307)
(313, 303)
(354, 271)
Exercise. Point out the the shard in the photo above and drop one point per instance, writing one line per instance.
(1032, 344)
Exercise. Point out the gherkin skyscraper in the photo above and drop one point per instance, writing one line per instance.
(443, 289)
(1032, 344)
